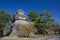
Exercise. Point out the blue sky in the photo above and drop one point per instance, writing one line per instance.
(52, 6)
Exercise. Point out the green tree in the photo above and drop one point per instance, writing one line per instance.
(52, 24)
(55, 28)
(4, 19)
(43, 20)
(32, 16)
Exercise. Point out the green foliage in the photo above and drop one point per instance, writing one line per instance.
(32, 16)
(45, 15)
(43, 20)
(4, 19)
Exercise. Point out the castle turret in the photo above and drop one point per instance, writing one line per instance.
(19, 15)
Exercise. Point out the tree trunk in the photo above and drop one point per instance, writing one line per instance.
(28, 35)
(55, 32)
(1, 33)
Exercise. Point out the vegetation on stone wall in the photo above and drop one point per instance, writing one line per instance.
(26, 29)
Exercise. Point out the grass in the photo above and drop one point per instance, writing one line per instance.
(40, 35)
(33, 36)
